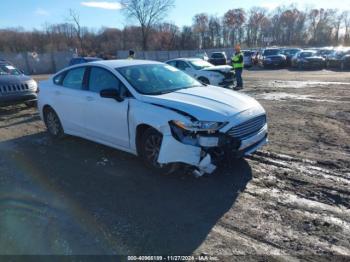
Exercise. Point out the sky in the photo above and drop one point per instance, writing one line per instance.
(95, 14)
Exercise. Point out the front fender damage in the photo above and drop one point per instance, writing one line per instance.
(174, 151)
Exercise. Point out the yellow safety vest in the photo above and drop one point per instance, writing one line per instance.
(235, 60)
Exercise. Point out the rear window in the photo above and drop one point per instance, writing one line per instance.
(74, 78)
(57, 80)
(218, 55)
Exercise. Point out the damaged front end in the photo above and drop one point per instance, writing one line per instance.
(204, 145)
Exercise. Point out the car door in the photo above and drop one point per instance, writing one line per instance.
(106, 119)
(68, 97)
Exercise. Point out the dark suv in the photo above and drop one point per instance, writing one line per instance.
(218, 58)
(81, 60)
(273, 57)
(15, 87)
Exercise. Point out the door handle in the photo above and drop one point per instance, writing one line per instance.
(89, 98)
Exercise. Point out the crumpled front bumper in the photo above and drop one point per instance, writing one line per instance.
(203, 156)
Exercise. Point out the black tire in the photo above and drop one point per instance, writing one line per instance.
(204, 80)
(30, 104)
(53, 123)
(151, 142)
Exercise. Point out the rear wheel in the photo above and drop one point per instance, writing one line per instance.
(53, 123)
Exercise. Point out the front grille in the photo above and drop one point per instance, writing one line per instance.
(11, 89)
(248, 128)
(227, 75)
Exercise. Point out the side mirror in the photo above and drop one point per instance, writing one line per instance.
(111, 93)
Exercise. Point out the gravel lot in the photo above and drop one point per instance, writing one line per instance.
(291, 200)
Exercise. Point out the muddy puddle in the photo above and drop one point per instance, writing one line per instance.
(288, 96)
(301, 84)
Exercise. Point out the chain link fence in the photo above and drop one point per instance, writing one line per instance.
(34, 63)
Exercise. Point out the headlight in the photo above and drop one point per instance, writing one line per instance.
(32, 85)
(199, 126)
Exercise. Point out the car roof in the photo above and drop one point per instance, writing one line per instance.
(123, 63)
(185, 59)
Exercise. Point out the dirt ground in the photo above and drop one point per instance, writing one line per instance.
(290, 200)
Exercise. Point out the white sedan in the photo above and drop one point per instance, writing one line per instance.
(205, 72)
(152, 110)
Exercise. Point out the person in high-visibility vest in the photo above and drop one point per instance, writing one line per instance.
(131, 55)
(238, 65)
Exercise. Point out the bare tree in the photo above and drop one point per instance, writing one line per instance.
(200, 25)
(233, 21)
(346, 17)
(75, 19)
(215, 31)
(147, 13)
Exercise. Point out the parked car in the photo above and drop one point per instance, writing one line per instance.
(81, 60)
(15, 87)
(345, 62)
(202, 55)
(289, 53)
(247, 58)
(335, 59)
(205, 72)
(218, 58)
(152, 110)
(325, 52)
(273, 57)
(308, 59)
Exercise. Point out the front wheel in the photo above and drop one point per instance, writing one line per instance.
(204, 80)
(150, 148)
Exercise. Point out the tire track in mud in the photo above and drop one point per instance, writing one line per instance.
(291, 207)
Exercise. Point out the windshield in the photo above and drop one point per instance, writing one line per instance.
(271, 52)
(291, 52)
(9, 70)
(157, 79)
(200, 64)
(307, 54)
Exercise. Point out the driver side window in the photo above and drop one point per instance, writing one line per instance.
(101, 79)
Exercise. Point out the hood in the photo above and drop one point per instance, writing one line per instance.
(207, 103)
(222, 68)
(13, 80)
